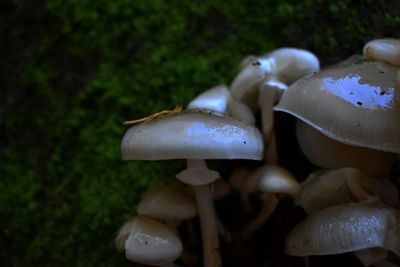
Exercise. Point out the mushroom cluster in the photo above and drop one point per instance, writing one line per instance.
(347, 127)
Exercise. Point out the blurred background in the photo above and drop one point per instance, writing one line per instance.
(73, 71)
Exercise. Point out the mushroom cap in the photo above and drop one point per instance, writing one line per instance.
(346, 228)
(167, 202)
(293, 63)
(387, 49)
(192, 134)
(272, 179)
(357, 104)
(148, 242)
(214, 99)
(286, 64)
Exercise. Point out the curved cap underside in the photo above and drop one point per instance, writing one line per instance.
(357, 105)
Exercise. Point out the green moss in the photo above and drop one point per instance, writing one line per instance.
(75, 70)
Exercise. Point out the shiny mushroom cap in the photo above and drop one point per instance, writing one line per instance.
(148, 242)
(345, 228)
(387, 49)
(192, 135)
(293, 63)
(284, 64)
(218, 99)
(214, 99)
(357, 105)
(272, 179)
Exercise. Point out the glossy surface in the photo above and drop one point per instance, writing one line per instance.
(285, 64)
(214, 99)
(387, 49)
(292, 64)
(244, 87)
(346, 228)
(192, 135)
(271, 179)
(151, 242)
(357, 104)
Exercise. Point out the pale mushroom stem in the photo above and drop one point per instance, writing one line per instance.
(267, 95)
(205, 209)
(270, 202)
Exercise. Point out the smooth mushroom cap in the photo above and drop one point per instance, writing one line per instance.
(293, 63)
(192, 135)
(219, 100)
(356, 105)
(272, 179)
(244, 87)
(387, 49)
(214, 99)
(167, 202)
(149, 242)
(330, 154)
(276, 179)
(346, 228)
(286, 64)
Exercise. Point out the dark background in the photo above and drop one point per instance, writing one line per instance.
(72, 71)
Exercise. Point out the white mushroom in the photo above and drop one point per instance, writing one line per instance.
(387, 49)
(272, 181)
(356, 105)
(195, 135)
(346, 228)
(148, 242)
(219, 99)
(214, 99)
(261, 83)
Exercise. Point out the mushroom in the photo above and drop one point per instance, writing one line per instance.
(387, 50)
(215, 99)
(218, 99)
(356, 105)
(346, 228)
(195, 136)
(168, 203)
(261, 83)
(147, 241)
(272, 181)
(285, 65)
(326, 188)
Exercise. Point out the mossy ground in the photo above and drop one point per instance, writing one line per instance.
(73, 71)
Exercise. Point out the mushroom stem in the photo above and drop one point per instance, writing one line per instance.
(208, 222)
(209, 232)
(270, 202)
(268, 94)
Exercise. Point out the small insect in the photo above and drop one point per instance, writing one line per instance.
(154, 116)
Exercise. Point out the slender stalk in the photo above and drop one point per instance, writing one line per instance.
(208, 224)
(270, 202)
(267, 98)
